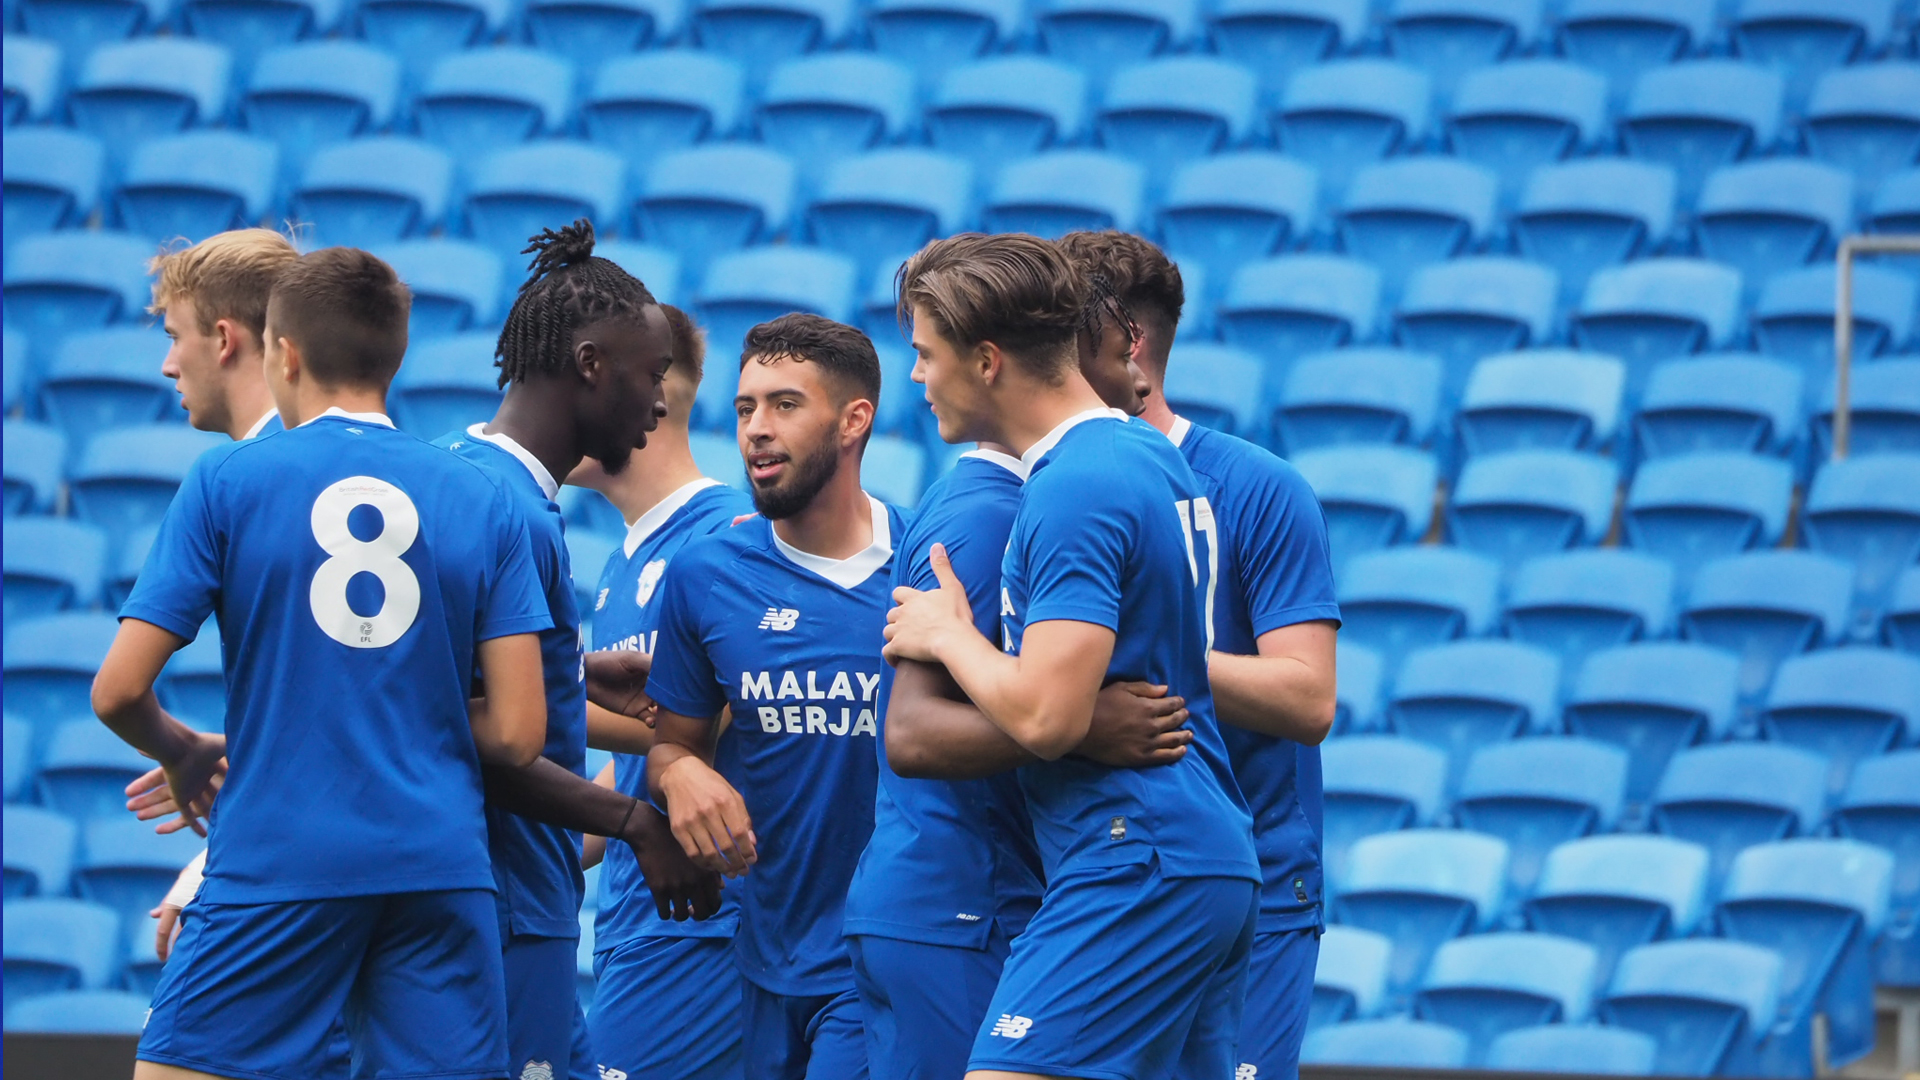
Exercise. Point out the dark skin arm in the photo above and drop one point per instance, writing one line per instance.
(619, 712)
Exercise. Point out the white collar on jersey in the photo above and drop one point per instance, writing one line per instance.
(1006, 461)
(854, 569)
(260, 423)
(506, 442)
(362, 417)
(1050, 439)
(1181, 425)
(646, 524)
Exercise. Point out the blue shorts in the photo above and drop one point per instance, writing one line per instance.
(583, 1064)
(802, 1037)
(542, 997)
(667, 1008)
(1279, 992)
(921, 1004)
(1125, 975)
(256, 990)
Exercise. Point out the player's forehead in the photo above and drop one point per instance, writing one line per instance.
(774, 375)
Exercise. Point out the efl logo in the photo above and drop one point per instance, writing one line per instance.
(780, 619)
(1011, 1027)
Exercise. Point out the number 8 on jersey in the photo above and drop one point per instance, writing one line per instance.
(379, 556)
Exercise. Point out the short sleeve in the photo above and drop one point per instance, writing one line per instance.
(1076, 545)
(1279, 536)
(515, 602)
(683, 679)
(180, 583)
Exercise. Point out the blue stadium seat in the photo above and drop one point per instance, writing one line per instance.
(1766, 606)
(658, 268)
(1515, 505)
(902, 408)
(86, 769)
(644, 107)
(50, 663)
(1694, 508)
(447, 385)
(1820, 904)
(1447, 38)
(1376, 784)
(1404, 1043)
(456, 285)
(711, 200)
(1343, 115)
(881, 203)
(1896, 206)
(515, 193)
(193, 685)
(78, 29)
(32, 78)
(304, 97)
(82, 1012)
(1731, 402)
(821, 109)
(1618, 892)
(1421, 887)
(1901, 627)
(1766, 217)
(591, 35)
(1656, 309)
(51, 565)
(1472, 307)
(1539, 793)
(1866, 120)
(421, 32)
(895, 470)
(1698, 115)
(14, 368)
(1845, 705)
(251, 28)
(198, 184)
(1794, 317)
(590, 510)
(746, 288)
(1706, 1003)
(1882, 807)
(35, 457)
(60, 282)
(1231, 209)
(1734, 795)
(1866, 510)
(1654, 699)
(1276, 38)
(1580, 1048)
(1490, 984)
(760, 34)
(587, 552)
(1884, 399)
(143, 968)
(1803, 39)
(128, 867)
(1166, 113)
(53, 945)
(1464, 695)
(1349, 976)
(1098, 35)
(719, 455)
(1581, 216)
(584, 981)
(1574, 603)
(1405, 213)
(935, 38)
(1408, 598)
(477, 102)
(1622, 39)
(1299, 304)
(1543, 399)
(1006, 108)
(1215, 386)
(52, 179)
(1373, 497)
(1357, 396)
(39, 851)
(374, 191)
(1515, 117)
(1055, 193)
(138, 90)
(1360, 676)
(126, 477)
(19, 757)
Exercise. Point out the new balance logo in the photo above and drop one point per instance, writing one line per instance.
(1244, 1071)
(779, 619)
(611, 1074)
(1011, 1027)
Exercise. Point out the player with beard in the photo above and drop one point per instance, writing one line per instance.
(779, 618)
(1272, 665)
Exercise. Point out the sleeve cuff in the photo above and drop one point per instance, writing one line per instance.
(169, 621)
(525, 624)
(1295, 615)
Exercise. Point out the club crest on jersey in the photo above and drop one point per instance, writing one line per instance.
(649, 581)
(1011, 1027)
(537, 1070)
(780, 619)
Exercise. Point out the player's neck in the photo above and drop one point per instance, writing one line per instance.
(838, 523)
(1158, 412)
(530, 421)
(1153, 363)
(310, 400)
(248, 398)
(663, 467)
(1033, 410)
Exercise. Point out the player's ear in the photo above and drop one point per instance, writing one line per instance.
(989, 361)
(227, 338)
(292, 363)
(587, 361)
(856, 420)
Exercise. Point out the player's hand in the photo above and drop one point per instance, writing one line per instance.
(190, 776)
(167, 931)
(1136, 726)
(617, 681)
(709, 818)
(151, 797)
(681, 889)
(919, 619)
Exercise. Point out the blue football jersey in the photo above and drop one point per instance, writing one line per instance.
(625, 617)
(1114, 530)
(949, 858)
(1274, 572)
(352, 568)
(792, 643)
(537, 866)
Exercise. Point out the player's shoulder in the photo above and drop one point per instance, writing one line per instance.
(725, 544)
(1240, 465)
(714, 508)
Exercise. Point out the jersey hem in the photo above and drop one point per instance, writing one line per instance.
(952, 937)
(611, 942)
(213, 891)
(1283, 922)
(1293, 616)
(1066, 1072)
(196, 1065)
(801, 988)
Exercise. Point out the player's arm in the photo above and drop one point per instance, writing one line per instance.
(512, 729)
(1287, 690)
(613, 732)
(124, 700)
(594, 848)
(619, 712)
(709, 817)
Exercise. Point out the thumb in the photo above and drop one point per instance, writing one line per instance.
(943, 569)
